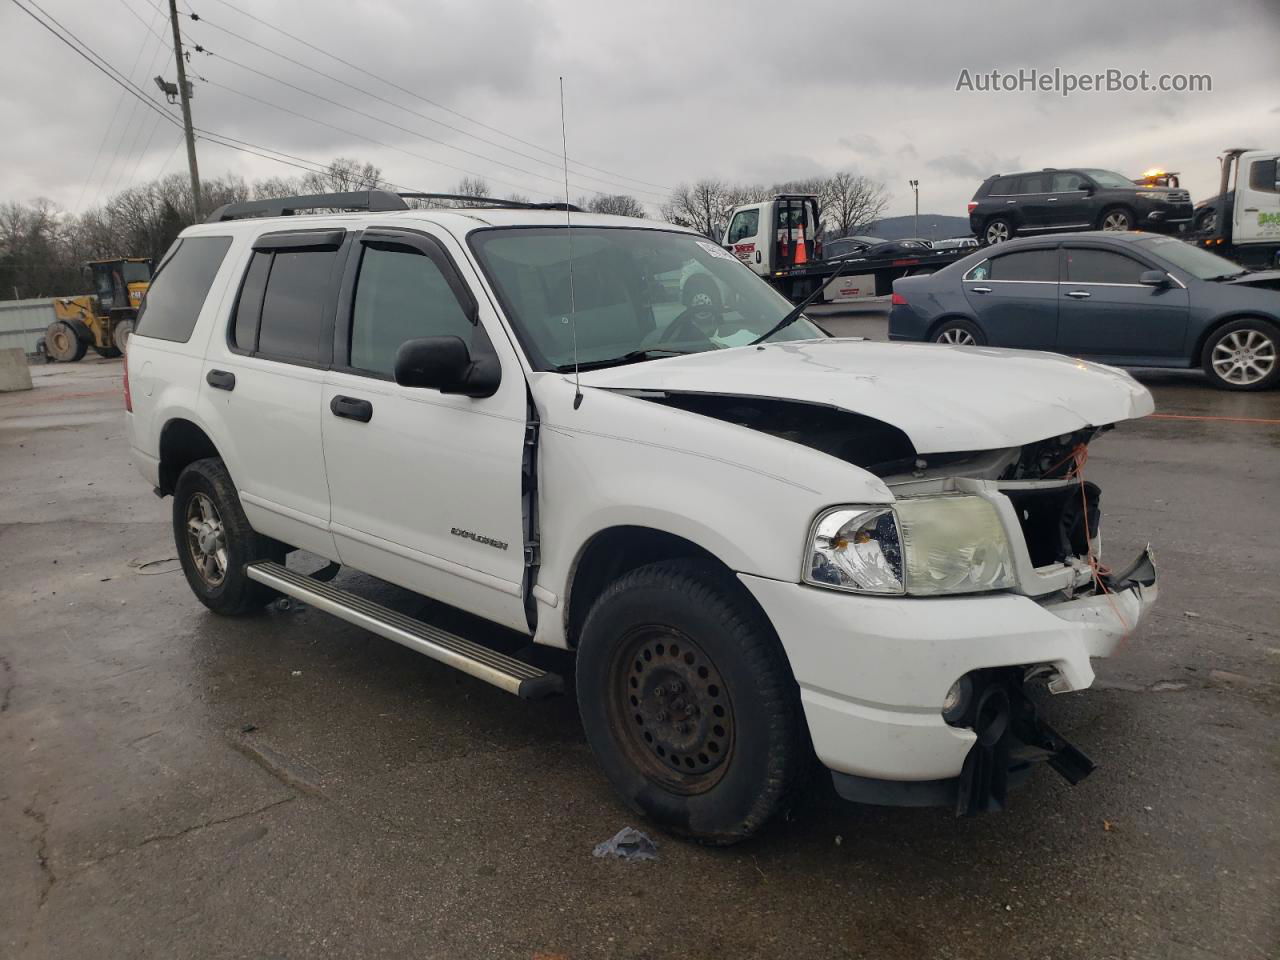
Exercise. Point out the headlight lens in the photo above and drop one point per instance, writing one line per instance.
(924, 546)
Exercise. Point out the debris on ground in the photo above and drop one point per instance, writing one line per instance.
(627, 844)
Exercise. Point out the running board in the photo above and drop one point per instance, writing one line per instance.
(507, 673)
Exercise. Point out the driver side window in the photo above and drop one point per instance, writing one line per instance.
(401, 295)
(745, 224)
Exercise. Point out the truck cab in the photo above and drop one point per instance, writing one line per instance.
(1246, 226)
(775, 234)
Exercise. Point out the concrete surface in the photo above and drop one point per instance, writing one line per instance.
(177, 785)
(14, 374)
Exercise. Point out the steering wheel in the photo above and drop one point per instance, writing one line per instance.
(683, 320)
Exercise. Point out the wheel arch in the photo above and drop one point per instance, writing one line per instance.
(1118, 205)
(182, 442)
(611, 553)
(946, 318)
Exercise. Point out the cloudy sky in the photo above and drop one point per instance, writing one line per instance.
(657, 92)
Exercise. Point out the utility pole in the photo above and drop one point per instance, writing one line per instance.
(185, 94)
(915, 187)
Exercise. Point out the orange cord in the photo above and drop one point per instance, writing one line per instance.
(1080, 456)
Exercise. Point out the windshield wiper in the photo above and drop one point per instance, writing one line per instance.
(798, 309)
(634, 356)
(1226, 276)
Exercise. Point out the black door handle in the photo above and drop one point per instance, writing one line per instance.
(351, 408)
(221, 379)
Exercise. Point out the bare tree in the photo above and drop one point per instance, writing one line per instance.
(469, 187)
(851, 202)
(617, 204)
(704, 207)
(343, 174)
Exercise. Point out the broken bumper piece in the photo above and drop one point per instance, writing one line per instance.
(874, 673)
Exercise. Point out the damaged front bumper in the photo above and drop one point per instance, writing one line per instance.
(874, 673)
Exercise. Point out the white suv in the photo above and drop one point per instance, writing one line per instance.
(563, 423)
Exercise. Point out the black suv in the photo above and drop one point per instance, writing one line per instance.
(1072, 199)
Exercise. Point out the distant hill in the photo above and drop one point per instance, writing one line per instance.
(933, 226)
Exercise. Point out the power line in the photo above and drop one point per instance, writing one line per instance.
(376, 119)
(439, 106)
(137, 16)
(368, 93)
(129, 128)
(361, 136)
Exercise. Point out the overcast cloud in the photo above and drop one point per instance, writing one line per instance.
(660, 91)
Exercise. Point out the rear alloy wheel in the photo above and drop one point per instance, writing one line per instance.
(997, 230)
(1117, 219)
(960, 333)
(1243, 355)
(61, 342)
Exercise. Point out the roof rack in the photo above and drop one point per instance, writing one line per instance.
(374, 201)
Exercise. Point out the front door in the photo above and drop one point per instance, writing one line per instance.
(1105, 312)
(424, 486)
(1066, 205)
(744, 239)
(1014, 297)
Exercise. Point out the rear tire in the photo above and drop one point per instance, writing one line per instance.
(215, 542)
(1243, 355)
(997, 230)
(62, 343)
(958, 332)
(688, 702)
(107, 353)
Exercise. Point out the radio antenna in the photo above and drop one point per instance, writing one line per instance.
(568, 233)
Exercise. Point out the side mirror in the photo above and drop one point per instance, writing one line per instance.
(445, 364)
(1088, 189)
(1154, 278)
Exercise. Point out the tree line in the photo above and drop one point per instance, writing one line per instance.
(43, 247)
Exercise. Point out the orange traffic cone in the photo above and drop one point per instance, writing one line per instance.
(802, 255)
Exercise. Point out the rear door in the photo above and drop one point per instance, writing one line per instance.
(745, 240)
(1106, 313)
(263, 380)
(426, 486)
(1014, 297)
(1033, 200)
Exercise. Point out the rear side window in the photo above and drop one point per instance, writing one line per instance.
(401, 295)
(180, 286)
(1101, 266)
(1033, 183)
(285, 302)
(1003, 187)
(1039, 265)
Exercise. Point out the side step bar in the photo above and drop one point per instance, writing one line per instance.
(508, 673)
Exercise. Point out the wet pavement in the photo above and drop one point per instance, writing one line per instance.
(173, 784)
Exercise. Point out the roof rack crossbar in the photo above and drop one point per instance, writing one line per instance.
(375, 201)
(490, 201)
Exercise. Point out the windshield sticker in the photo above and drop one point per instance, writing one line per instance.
(716, 251)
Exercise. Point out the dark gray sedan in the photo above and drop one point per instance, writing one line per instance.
(1128, 299)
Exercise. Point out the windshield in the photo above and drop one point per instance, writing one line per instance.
(636, 294)
(1109, 178)
(1201, 264)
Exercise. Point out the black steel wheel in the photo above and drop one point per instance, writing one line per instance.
(688, 701)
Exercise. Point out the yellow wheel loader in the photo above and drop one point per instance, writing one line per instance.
(103, 319)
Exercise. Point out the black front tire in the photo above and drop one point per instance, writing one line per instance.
(231, 593)
(1243, 355)
(678, 653)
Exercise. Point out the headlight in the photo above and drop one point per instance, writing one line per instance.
(924, 546)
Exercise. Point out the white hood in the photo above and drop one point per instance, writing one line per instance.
(946, 399)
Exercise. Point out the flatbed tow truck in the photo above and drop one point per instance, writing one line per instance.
(1245, 226)
(780, 239)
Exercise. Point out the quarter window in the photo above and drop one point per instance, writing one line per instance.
(402, 295)
(745, 224)
(1101, 266)
(1041, 265)
(178, 292)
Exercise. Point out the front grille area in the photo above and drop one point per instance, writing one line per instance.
(1053, 521)
(1179, 196)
